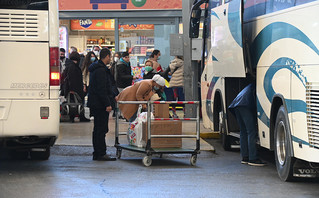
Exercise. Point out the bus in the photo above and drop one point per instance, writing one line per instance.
(29, 76)
(273, 43)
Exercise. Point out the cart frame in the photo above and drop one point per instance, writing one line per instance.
(148, 150)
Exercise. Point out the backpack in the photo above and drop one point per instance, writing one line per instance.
(73, 105)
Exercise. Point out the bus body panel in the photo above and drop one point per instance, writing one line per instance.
(26, 74)
(226, 40)
(286, 52)
(284, 49)
(54, 24)
(29, 105)
(18, 122)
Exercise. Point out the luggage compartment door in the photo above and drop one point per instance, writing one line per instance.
(24, 70)
(227, 43)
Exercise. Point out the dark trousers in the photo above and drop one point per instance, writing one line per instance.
(248, 133)
(101, 122)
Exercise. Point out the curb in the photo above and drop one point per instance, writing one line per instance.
(210, 135)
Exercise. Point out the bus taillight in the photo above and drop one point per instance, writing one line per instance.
(54, 66)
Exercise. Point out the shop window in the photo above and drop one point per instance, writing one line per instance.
(84, 34)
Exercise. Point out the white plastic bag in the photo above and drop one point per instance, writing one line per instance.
(135, 130)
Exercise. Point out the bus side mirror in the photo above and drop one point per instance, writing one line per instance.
(194, 23)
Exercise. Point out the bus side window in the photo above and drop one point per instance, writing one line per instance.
(215, 3)
(275, 5)
(299, 2)
(254, 9)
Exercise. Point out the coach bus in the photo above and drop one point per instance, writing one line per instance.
(29, 76)
(275, 44)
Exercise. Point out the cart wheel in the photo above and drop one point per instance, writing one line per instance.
(147, 160)
(193, 160)
(118, 153)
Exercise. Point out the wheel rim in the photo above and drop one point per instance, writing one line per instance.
(281, 143)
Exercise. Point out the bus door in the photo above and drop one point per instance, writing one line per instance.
(226, 40)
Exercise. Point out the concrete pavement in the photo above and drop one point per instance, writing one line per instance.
(80, 133)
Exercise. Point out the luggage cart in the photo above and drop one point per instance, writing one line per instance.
(148, 150)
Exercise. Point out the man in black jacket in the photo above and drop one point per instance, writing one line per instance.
(100, 100)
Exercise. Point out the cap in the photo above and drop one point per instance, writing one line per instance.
(159, 79)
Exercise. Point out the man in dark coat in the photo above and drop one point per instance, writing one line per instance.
(244, 108)
(100, 101)
(123, 72)
(73, 80)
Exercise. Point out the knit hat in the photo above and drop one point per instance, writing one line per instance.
(159, 79)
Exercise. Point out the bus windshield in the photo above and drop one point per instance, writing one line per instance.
(24, 4)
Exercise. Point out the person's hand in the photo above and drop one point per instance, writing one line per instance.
(109, 109)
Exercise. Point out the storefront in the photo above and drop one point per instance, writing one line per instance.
(137, 26)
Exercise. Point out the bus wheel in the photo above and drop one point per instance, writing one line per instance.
(225, 139)
(283, 147)
(40, 154)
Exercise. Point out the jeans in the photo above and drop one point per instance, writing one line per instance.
(248, 133)
(101, 121)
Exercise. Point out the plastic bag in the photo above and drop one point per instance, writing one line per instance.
(135, 130)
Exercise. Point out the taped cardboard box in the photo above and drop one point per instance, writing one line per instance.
(161, 110)
(164, 127)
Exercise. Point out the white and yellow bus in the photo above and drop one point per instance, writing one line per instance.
(29, 76)
(276, 44)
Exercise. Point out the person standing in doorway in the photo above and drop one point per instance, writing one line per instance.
(244, 108)
(100, 100)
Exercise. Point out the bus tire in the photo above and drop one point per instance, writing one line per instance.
(40, 155)
(283, 146)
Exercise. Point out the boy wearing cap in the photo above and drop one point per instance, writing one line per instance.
(140, 91)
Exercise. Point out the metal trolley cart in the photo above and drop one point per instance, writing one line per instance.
(148, 150)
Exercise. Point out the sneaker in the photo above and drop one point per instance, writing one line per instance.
(245, 160)
(256, 162)
(104, 158)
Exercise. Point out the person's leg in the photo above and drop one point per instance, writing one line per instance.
(82, 115)
(99, 131)
(243, 134)
(250, 122)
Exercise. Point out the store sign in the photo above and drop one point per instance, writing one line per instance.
(85, 23)
(119, 4)
(106, 24)
(93, 24)
(63, 37)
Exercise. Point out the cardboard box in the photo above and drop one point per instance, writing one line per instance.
(161, 110)
(164, 127)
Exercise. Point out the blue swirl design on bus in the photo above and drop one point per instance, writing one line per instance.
(234, 21)
(263, 40)
(209, 109)
(215, 14)
(292, 105)
(274, 32)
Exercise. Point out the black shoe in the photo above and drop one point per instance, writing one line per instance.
(245, 160)
(256, 162)
(84, 119)
(104, 158)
